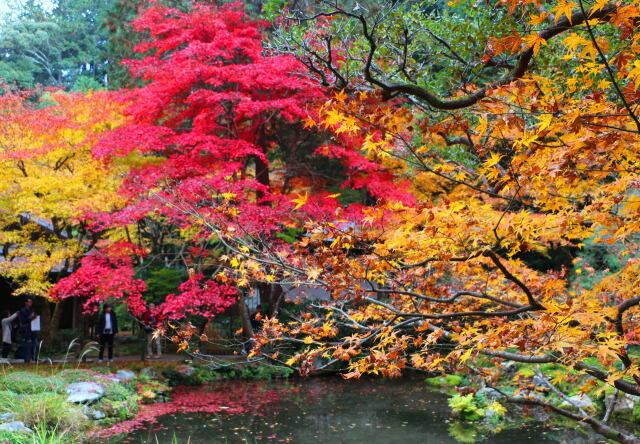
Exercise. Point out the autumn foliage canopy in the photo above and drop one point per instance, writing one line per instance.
(496, 223)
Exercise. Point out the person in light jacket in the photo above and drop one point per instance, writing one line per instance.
(107, 329)
(150, 323)
(7, 330)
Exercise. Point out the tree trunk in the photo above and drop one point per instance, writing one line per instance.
(46, 324)
(50, 331)
(264, 290)
(247, 330)
(277, 297)
(262, 175)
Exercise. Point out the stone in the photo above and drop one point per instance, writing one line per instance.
(150, 372)
(94, 414)
(185, 370)
(84, 392)
(540, 382)
(509, 368)
(580, 401)
(15, 427)
(7, 417)
(624, 403)
(532, 394)
(125, 375)
(489, 393)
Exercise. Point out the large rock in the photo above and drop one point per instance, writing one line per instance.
(125, 375)
(15, 427)
(84, 392)
(579, 401)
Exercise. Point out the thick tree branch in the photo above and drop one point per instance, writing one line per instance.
(598, 426)
(418, 92)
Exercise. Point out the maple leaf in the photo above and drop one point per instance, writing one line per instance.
(564, 8)
(534, 41)
(341, 96)
(634, 73)
(598, 5)
(300, 201)
(494, 159)
(314, 273)
(544, 121)
(481, 129)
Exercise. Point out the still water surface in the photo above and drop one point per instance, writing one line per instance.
(330, 410)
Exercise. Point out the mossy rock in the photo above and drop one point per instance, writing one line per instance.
(446, 381)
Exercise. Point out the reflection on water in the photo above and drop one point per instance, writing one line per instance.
(319, 410)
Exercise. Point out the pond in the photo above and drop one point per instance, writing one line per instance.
(319, 410)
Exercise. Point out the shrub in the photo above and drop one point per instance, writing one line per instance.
(51, 410)
(16, 438)
(466, 407)
(118, 410)
(117, 392)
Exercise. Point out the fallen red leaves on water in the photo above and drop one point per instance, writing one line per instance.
(213, 399)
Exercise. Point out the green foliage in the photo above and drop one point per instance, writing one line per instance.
(118, 410)
(153, 391)
(446, 381)
(596, 261)
(86, 83)
(466, 407)
(117, 392)
(271, 8)
(61, 340)
(161, 282)
(290, 235)
(444, 41)
(43, 434)
(527, 371)
(120, 39)
(55, 47)
(30, 383)
(635, 414)
(463, 432)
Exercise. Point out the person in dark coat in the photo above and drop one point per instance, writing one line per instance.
(107, 329)
(25, 316)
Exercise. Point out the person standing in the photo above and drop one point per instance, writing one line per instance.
(7, 330)
(35, 337)
(150, 324)
(107, 329)
(25, 316)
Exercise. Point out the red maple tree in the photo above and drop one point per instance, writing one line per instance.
(219, 124)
